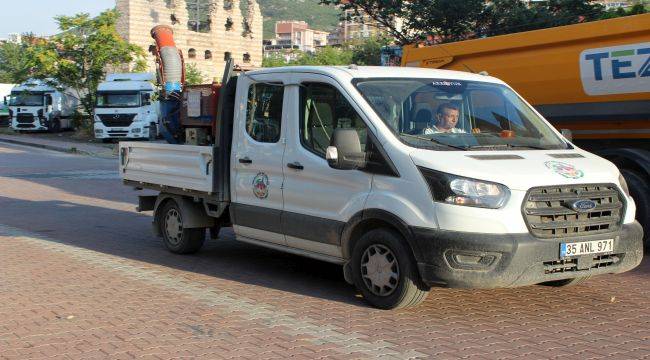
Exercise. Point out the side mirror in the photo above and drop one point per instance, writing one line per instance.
(4, 101)
(567, 134)
(146, 99)
(48, 100)
(344, 152)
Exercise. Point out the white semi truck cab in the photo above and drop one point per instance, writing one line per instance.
(409, 178)
(125, 107)
(38, 105)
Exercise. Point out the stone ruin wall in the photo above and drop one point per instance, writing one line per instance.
(139, 16)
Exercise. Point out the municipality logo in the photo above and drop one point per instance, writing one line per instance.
(616, 70)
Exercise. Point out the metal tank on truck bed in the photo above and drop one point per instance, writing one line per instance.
(591, 78)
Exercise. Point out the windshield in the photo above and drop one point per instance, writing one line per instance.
(118, 99)
(457, 115)
(26, 98)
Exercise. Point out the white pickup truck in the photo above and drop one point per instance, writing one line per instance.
(410, 178)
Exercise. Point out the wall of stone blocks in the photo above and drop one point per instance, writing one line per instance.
(139, 16)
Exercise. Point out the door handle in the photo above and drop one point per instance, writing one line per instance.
(295, 165)
(245, 160)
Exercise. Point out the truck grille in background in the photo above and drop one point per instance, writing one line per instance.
(116, 120)
(25, 118)
(549, 215)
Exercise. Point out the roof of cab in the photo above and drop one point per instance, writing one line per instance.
(362, 72)
(125, 86)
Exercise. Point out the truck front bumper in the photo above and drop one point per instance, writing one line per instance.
(476, 260)
(136, 130)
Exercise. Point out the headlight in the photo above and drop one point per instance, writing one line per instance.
(136, 130)
(97, 119)
(623, 183)
(457, 190)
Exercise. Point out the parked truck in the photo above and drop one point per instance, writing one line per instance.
(592, 79)
(5, 93)
(41, 105)
(126, 108)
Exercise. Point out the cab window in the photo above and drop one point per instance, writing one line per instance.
(264, 112)
(322, 109)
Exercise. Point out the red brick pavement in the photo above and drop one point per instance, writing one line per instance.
(62, 301)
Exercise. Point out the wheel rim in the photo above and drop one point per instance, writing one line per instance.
(380, 270)
(173, 226)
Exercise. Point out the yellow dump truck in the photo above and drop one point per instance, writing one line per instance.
(591, 78)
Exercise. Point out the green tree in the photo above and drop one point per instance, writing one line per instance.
(274, 60)
(193, 76)
(368, 51)
(79, 56)
(21, 61)
(454, 20)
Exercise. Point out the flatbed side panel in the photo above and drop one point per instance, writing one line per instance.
(179, 166)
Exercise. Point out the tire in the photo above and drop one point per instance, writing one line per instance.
(402, 288)
(176, 238)
(153, 132)
(640, 192)
(566, 282)
(55, 126)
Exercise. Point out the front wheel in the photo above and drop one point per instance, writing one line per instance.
(153, 132)
(176, 237)
(384, 271)
(640, 192)
(55, 126)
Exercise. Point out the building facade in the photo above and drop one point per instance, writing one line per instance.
(207, 31)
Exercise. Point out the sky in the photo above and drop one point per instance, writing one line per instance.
(37, 16)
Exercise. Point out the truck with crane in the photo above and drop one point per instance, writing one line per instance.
(314, 161)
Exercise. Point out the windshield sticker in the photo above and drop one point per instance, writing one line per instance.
(446, 83)
(567, 170)
(261, 185)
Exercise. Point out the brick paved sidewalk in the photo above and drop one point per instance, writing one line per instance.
(63, 144)
(63, 301)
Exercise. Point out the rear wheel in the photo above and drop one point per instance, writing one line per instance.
(384, 271)
(640, 192)
(176, 237)
(566, 282)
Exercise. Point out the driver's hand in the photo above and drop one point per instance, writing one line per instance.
(476, 131)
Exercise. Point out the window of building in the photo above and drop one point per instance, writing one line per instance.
(229, 23)
(227, 4)
(227, 55)
(191, 53)
(247, 57)
(323, 109)
(208, 54)
(264, 112)
(198, 12)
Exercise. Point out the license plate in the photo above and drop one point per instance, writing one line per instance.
(586, 247)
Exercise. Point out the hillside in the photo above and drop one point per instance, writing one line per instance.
(318, 17)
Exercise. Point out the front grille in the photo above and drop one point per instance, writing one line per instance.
(116, 120)
(548, 214)
(25, 118)
(568, 265)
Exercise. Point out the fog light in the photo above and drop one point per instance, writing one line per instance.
(471, 260)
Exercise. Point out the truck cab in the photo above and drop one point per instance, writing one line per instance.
(126, 108)
(409, 178)
(38, 105)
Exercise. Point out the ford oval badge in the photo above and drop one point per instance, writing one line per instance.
(583, 205)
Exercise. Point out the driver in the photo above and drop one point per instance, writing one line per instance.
(446, 120)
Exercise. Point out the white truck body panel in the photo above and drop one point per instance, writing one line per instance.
(180, 166)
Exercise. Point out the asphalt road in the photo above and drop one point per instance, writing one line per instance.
(82, 276)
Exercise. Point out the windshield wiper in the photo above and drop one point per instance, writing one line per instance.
(435, 141)
(495, 146)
